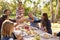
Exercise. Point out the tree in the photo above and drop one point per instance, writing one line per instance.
(51, 11)
(57, 9)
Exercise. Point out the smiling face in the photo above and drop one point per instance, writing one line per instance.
(7, 12)
(30, 15)
(43, 17)
(20, 4)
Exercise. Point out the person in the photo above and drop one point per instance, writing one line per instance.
(31, 19)
(20, 13)
(7, 31)
(7, 12)
(45, 21)
(6, 34)
(4, 17)
(20, 10)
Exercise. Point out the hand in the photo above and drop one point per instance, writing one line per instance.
(45, 29)
(18, 21)
(30, 20)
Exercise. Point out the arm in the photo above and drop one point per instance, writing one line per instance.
(14, 36)
(37, 21)
(48, 23)
(13, 20)
(30, 20)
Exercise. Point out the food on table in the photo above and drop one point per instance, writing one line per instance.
(27, 30)
(37, 37)
(46, 36)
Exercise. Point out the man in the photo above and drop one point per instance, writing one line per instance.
(31, 19)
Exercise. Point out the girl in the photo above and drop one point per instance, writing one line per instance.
(20, 10)
(46, 22)
(7, 31)
(20, 13)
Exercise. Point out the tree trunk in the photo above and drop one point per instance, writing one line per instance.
(51, 11)
(57, 10)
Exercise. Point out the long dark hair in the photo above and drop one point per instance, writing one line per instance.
(4, 17)
(6, 10)
(44, 21)
(46, 16)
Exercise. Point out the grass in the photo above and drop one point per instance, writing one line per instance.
(55, 27)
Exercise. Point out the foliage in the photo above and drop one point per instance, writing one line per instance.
(12, 6)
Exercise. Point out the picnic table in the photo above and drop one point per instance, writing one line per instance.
(38, 31)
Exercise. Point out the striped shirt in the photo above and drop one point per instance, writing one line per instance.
(19, 11)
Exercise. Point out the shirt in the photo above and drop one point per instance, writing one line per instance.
(48, 25)
(19, 11)
(13, 37)
(32, 23)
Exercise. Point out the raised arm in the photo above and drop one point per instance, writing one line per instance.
(37, 21)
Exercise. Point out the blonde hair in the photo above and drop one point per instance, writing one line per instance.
(7, 28)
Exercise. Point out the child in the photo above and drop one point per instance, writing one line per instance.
(7, 31)
(20, 10)
(20, 13)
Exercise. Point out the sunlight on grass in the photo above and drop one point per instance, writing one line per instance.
(55, 27)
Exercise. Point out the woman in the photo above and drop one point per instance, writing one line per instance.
(7, 31)
(7, 12)
(46, 22)
(6, 34)
(5, 16)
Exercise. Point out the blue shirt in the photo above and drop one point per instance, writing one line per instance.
(32, 23)
(8, 37)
